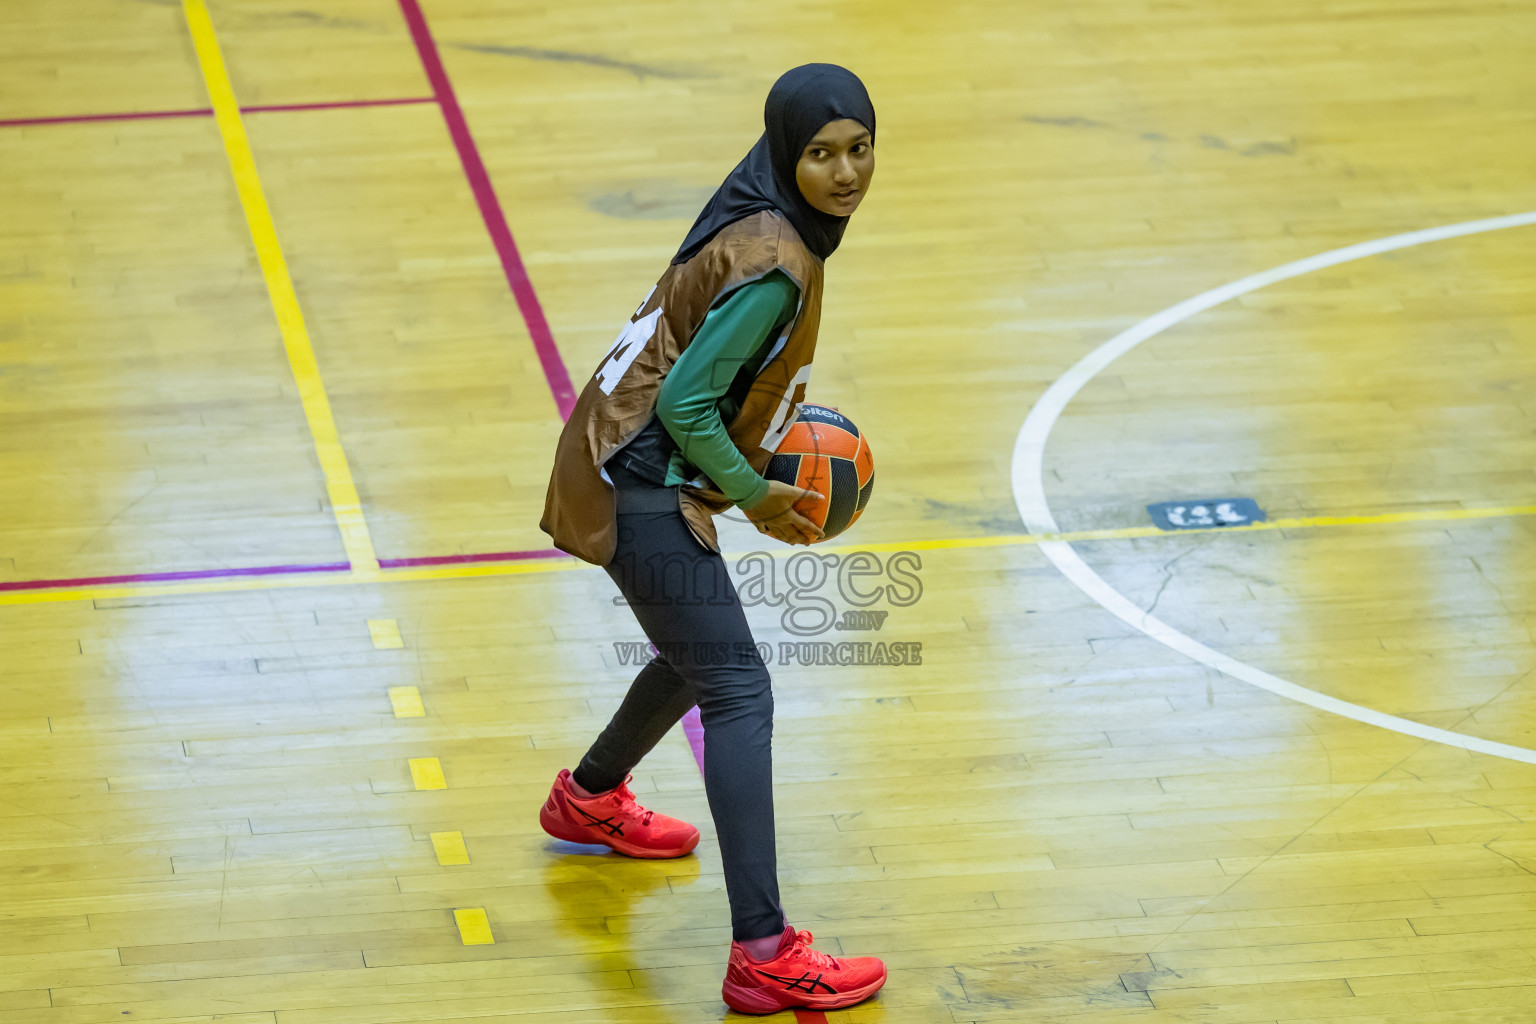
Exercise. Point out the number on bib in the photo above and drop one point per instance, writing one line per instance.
(631, 340)
(789, 406)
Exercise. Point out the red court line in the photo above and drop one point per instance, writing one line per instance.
(336, 105)
(164, 577)
(522, 289)
(277, 570)
(533, 315)
(693, 731)
(491, 212)
(21, 122)
(493, 556)
(148, 115)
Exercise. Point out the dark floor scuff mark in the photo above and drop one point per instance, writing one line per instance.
(1065, 122)
(652, 200)
(1264, 148)
(596, 60)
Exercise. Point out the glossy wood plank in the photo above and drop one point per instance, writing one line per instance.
(206, 805)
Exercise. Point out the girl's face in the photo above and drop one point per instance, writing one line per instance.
(835, 167)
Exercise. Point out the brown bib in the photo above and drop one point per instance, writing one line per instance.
(621, 396)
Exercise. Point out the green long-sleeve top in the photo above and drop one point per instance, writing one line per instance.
(705, 388)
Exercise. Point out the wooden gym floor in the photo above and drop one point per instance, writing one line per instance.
(274, 735)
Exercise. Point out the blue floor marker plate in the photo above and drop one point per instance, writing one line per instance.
(1205, 513)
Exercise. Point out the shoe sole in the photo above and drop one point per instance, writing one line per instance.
(759, 1001)
(561, 829)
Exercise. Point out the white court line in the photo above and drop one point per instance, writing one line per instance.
(1029, 484)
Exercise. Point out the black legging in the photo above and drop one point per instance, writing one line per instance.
(687, 604)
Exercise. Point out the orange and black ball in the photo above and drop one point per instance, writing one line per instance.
(824, 451)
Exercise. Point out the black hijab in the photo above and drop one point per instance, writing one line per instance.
(802, 101)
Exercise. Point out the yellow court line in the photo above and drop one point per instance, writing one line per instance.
(385, 634)
(474, 927)
(1135, 532)
(345, 504)
(406, 702)
(449, 848)
(522, 568)
(427, 773)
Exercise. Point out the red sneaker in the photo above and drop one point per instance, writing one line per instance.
(614, 819)
(798, 976)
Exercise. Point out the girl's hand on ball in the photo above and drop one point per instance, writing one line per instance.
(775, 514)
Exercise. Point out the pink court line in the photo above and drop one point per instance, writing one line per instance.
(501, 237)
(491, 212)
(22, 122)
(493, 556)
(533, 316)
(277, 570)
(149, 115)
(335, 105)
(693, 730)
(167, 577)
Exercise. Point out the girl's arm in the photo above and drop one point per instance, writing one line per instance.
(688, 403)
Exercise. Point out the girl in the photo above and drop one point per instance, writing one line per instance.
(677, 424)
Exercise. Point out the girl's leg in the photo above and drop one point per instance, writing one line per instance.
(656, 700)
(687, 604)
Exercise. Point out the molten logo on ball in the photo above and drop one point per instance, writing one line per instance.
(825, 452)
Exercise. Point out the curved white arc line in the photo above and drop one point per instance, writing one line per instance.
(1091, 583)
(1028, 481)
(1029, 449)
